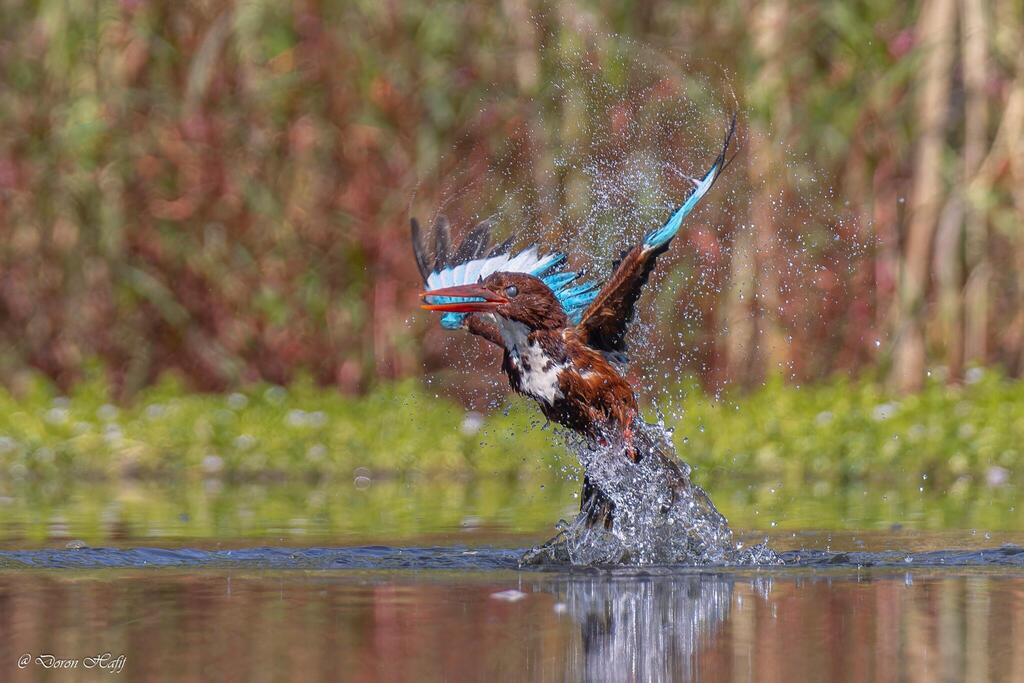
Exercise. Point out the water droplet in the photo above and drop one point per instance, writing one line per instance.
(511, 595)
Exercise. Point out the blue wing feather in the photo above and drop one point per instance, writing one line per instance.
(574, 298)
(558, 280)
(662, 235)
(546, 267)
(551, 261)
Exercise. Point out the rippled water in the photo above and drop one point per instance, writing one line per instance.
(407, 582)
(469, 559)
(429, 613)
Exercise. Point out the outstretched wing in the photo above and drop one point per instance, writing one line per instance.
(474, 260)
(473, 247)
(604, 324)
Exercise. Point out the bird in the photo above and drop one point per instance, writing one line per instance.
(563, 337)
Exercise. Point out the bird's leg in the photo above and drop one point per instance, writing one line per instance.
(628, 438)
(598, 508)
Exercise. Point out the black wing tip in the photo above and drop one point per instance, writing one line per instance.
(503, 247)
(474, 244)
(442, 240)
(417, 248)
(724, 159)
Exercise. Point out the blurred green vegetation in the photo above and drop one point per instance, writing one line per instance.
(266, 431)
(304, 459)
(222, 188)
(827, 436)
(219, 192)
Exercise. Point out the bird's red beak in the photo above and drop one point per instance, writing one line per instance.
(489, 303)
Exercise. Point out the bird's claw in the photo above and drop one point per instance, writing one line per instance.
(631, 452)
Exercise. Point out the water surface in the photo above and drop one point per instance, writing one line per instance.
(419, 581)
(357, 615)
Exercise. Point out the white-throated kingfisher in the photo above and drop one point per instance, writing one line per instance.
(564, 342)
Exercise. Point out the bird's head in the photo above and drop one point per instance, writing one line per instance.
(514, 296)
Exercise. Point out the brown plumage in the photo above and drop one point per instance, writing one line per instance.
(573, 371)
(547, 358)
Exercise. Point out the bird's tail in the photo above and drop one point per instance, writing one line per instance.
(657, 239)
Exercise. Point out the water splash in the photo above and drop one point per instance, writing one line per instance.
(645, 513)
(589, 162)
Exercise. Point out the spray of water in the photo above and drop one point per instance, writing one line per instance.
(647, 512)
(598, 154)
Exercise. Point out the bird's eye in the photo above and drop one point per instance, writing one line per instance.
(511, 291)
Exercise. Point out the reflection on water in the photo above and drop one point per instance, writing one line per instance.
(800, 625)
(129, 511)
(872, 603)
(646, 630)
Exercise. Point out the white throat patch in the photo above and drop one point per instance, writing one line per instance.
(538, 372)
